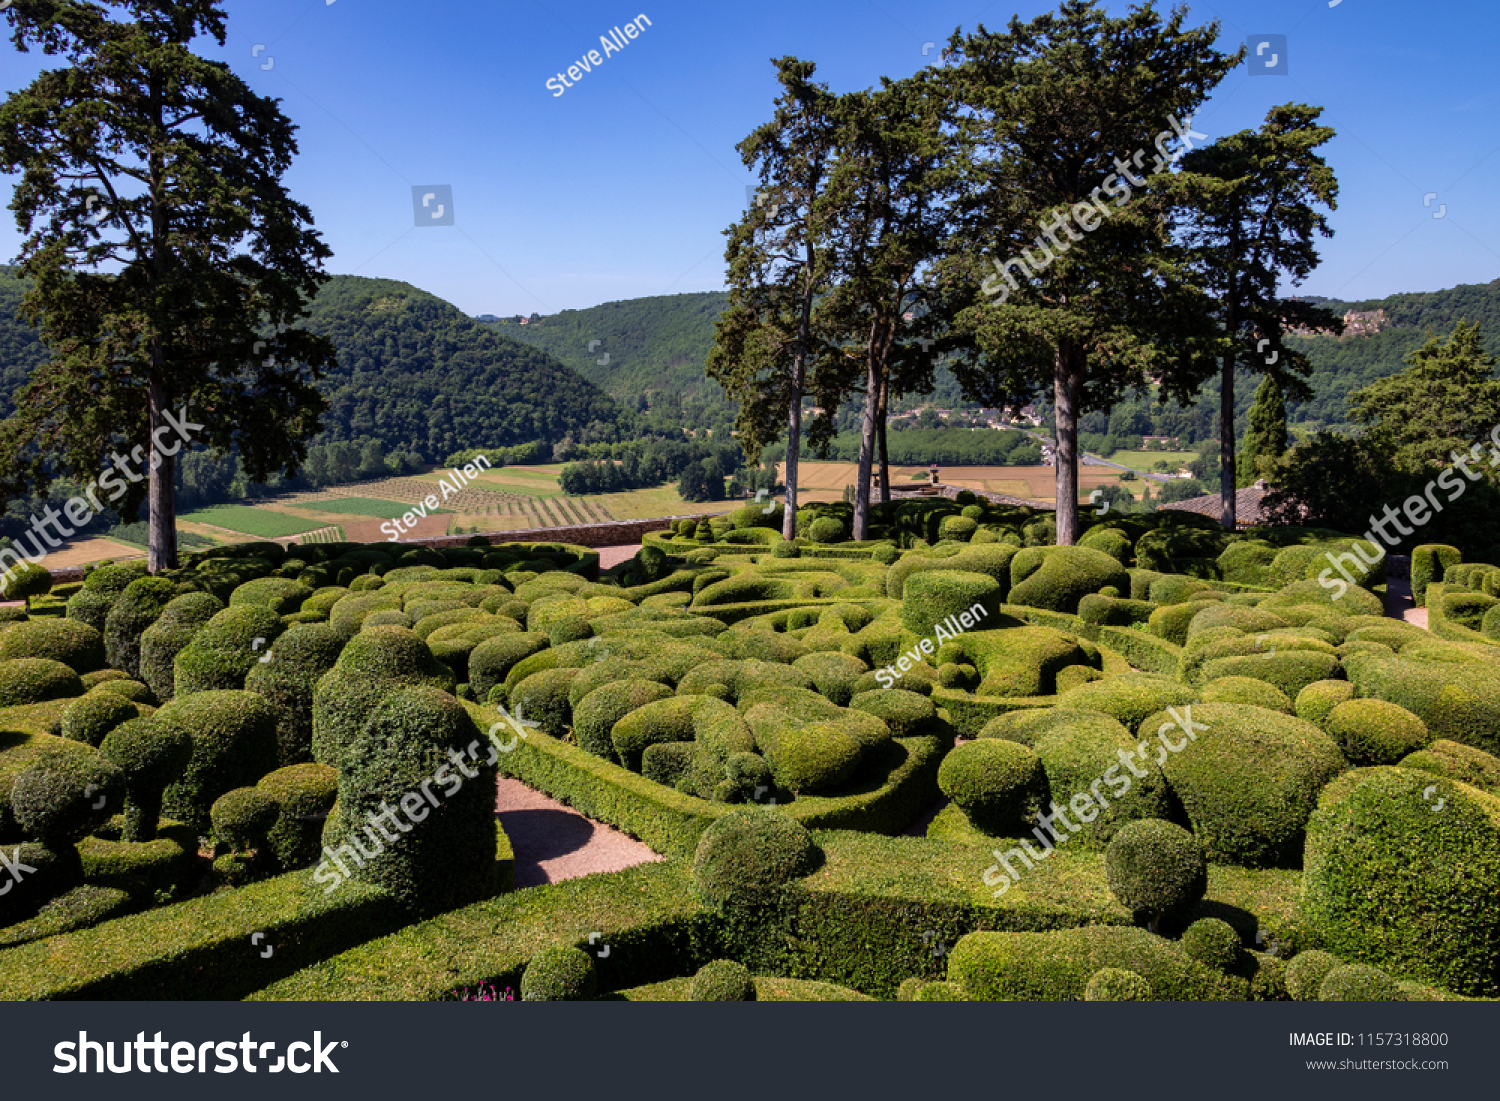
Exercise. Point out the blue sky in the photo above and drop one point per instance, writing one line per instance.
(622, 186)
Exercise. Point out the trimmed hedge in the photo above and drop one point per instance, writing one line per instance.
(1249, 781)
(1392, 881)
(234, 745)
(1058, 966)
(75, 644)
(1429, 562)
(1374, 732)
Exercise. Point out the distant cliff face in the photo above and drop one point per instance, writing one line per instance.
(1365, 322)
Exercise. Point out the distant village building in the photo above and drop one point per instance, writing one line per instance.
(1249, 509)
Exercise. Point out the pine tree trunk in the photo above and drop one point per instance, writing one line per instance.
(885, 456)
(160, 499)
(1065, 391)
(1228, 480)
(793, 449)
(867, 443)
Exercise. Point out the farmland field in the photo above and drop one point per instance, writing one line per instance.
(1146, 460)
(251, 520)
(361, 506)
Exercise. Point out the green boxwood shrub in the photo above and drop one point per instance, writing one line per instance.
(1307, 970)
(25, 581)
(1374, 732)
(1249, 781)
(559, 975)
(1458, 762)
(542, 698)
(1429, 563)
(304, 796)
(288, 678)
(1129, 698)
(1000, 785)
(595, 716)
(1058, 965)
(444, 856)
(241, 818)
(91, 606)
(152, 756)
(1359, 983)
(75, 644)
(1057, 578)
(139, 606)
(492, 660)
(35, 680)
(89, 719)
(1213, 943)
(1389, 880)
(722, 981)
(234, 745)
(1156, 868)
(1318, 699)
(1115, 984)
(372, 664)
(225, 649)
(169, 635)
(1248, 691)
(746, 857)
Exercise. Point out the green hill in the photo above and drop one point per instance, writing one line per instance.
(414, 372)
(653, 350)
(1344, 364)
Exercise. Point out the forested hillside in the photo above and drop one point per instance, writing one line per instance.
(415, 373)
(652, 352)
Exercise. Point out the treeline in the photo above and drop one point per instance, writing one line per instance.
(953, 446)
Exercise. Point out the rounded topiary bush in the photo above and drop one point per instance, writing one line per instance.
(89, 719)
(931, 597)
(91, 606)
(817, 757)
(375, 662)
(241, 818)
(1000, 785)
(35, 680)
(25, 581)
(745, 857)
(1057, 578)
(75, 644)
(959, 528)
(1320, 697)
(492, 660)
(288, 678)
(407, 756)
(722, 981)
(1402, 871)
(1374, 732)
(1130, 699)
(234, 745)
(826, 529)
(281, 594)
(1115, 984)
(1247, 778)
(58, 805)
(139, 606)
(1306, 972)
(1358, 983)
(1156, 868)
(152, 756)
(1214, 943)
(225, 649)
(304, 796)
(169, 635)
(559, 975)
(595, 715)
(1246, 690)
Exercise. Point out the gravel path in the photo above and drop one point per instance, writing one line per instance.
(553, 842)
(613, 556)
